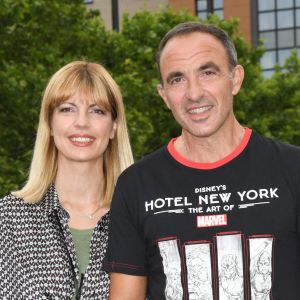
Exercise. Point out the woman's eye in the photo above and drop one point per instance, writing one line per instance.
(98, 111)
(65, 109)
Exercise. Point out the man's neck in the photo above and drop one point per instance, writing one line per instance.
(209, 149)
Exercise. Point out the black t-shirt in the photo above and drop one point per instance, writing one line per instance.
(227, 230)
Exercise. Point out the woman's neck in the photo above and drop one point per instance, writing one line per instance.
(79, 182)
(80, 191)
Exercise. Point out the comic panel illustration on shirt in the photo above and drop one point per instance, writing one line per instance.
(230, 266)
(169, 252)
(260, 250)
(235, 270)
(199, 274)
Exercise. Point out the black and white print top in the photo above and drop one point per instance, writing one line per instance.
(37, 254)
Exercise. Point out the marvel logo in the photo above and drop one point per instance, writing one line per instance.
(211, 220)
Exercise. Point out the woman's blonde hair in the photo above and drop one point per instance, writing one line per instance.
(95, 81)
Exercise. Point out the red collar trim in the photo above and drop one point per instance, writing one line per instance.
(208, 166)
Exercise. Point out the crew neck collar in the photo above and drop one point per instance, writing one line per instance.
(207, 166)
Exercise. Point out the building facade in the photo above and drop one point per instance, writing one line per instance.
(276, 22)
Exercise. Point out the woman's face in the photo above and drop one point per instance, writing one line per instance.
(81, 129)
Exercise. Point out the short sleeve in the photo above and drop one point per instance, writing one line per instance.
(126, 249)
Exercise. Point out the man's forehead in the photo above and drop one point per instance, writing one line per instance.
(184, 49)
(187, 46)
(185, 40)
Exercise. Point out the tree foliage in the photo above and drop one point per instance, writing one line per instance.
(38, 37)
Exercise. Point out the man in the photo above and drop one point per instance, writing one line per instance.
(219, 187)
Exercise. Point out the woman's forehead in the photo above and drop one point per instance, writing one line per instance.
(84, 97)
(81, 97)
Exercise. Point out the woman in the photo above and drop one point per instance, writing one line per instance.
(53, 232)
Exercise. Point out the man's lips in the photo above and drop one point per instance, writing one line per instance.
(200, 109)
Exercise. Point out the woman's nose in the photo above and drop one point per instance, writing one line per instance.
(82, 119)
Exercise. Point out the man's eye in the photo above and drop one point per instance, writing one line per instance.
(208, 73)
(176, 80)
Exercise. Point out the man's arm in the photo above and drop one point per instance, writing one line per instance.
(127, 287)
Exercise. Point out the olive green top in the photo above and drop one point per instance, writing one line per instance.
(82, 239)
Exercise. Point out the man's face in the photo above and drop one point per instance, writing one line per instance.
(198, 85)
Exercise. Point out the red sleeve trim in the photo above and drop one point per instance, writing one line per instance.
(208, 166)
(117, 267)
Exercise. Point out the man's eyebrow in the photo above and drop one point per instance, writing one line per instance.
(172, 75)
(209, 65)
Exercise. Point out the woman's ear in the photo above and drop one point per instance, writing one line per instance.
(113, 131)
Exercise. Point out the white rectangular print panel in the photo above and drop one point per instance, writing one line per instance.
(230, 266)
(260, 251)
(199, 274)
(172, 269)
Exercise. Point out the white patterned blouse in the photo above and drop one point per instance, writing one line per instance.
(37, 254)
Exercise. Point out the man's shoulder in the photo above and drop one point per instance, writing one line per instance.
(272, 147)
(151, 161)
(153, 157)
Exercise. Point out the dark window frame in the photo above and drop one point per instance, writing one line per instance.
(209, 8)
(256, 30)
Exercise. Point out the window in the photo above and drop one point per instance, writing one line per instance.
(267, 21)
(278, 25)
(266, 5)
(269, 39)
(297, 17)
(269, 59)
(284, 4)
(285, 19)
(204, 7)
(87, 1)
(285, 38)
(298, 37)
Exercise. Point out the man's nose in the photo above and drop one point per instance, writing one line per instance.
(194, 89)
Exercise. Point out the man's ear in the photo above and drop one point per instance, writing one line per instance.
(161, 91)
(237, 79)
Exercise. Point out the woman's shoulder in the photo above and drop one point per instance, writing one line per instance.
(15, 211)
(8, 206)
(11, 204)
(10, 201)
